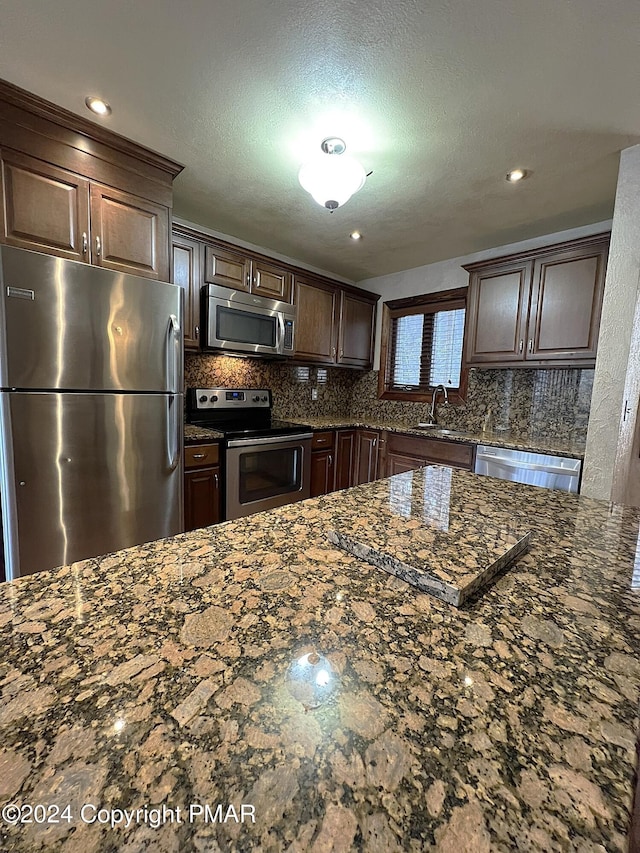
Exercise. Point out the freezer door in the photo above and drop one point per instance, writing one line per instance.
(89, 474)
(70, 326)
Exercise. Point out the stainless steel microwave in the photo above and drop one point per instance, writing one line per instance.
(240, 322)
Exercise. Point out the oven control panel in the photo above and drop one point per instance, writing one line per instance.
(202, 399)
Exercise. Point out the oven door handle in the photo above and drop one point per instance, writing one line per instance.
(271, 439)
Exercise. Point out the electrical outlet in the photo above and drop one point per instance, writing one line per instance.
(314, 393)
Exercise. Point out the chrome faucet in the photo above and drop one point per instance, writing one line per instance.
(432, 413)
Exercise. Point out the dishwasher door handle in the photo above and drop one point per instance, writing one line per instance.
(528, 466)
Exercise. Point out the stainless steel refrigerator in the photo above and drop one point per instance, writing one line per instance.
(90, 410)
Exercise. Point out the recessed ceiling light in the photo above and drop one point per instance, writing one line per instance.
(355, 235)
(98, 106)
(516, 175)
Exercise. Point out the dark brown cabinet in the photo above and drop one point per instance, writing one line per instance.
(45, 209)
(186, 264)
(334, 325)
(345, 458)
(322, 463)
(202, 486)
(316, 305)
(406, 452)
(539, 309)
(366, 456)
(128, 234)
(356, 329)
(229, 267)
(74, 189)
(50, 210)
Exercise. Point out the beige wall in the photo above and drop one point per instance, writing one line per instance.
(612, 363)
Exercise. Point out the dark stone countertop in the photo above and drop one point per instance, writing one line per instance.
(173, 673)
(573, 448)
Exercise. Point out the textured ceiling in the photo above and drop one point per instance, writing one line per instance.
(439, 99)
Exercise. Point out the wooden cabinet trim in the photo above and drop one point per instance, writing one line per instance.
(534, 254)
(36, 113)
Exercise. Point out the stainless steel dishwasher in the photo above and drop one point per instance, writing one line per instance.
(536, 469)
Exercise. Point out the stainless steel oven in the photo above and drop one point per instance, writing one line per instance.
(241, 322)
(266, 462)
(267, 472)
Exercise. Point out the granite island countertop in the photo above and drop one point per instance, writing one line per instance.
(572, 447)
(174, 674)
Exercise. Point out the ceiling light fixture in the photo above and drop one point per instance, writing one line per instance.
(355, 235)
(516, 175)
(331, 178)
(98, 106)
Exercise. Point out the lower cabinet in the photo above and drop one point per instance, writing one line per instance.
(366, 456)
(406, 452)
(202, 486)
(345, 459)
(322, 462)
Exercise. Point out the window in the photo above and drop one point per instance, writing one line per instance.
(422, 345)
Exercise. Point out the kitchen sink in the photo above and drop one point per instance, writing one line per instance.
(440, 430)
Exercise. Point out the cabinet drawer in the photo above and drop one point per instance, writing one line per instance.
(322, 440)
(201, 455)
(452, 453)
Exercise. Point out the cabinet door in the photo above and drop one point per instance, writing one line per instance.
(129, 234)
(226, 268)
(356, 331)
(398, 463)
(566, 301)
(345, 459)
(321, 472)
(315, 339)
(271, 281)
(366, 465)
(187, 273)
(497, 309)
(45, 209)
(201, 498)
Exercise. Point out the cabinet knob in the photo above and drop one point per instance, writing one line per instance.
(215, 480)
(333, 352)
(85, 243)
(98, 246)
(530, 344)
(521, 347)
(330, 459)
(196, 331)
(341, 353)
(199, 455)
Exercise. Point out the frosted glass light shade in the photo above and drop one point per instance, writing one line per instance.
(331, 179)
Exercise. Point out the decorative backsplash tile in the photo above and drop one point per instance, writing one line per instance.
(537, 403)
(290, 385)
(553, 403)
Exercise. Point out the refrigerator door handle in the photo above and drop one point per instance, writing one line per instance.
(173, 443)
(173, 354)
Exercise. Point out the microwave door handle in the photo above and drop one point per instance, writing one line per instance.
(280, 343)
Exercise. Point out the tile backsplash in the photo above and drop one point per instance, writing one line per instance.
(542, 403)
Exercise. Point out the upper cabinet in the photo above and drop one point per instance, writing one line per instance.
(537, 309)
(242, 271)
(187, 272)
(335, 324)
(315, 338)
(73, 189)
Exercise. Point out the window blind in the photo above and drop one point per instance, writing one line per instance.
(426, 349)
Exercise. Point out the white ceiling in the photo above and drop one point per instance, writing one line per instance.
(438, 98)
